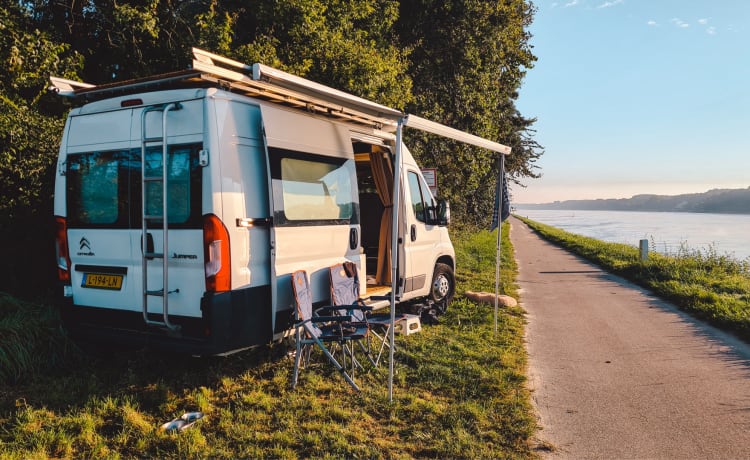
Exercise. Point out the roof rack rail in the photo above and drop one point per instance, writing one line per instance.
(268, 83)
(65, 87)
(264, 82)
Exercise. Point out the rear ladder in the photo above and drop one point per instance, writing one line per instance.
(148, 252)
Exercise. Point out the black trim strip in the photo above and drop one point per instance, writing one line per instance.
(101, 269)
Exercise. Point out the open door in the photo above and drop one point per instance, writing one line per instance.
(375, 182)
(314, 202)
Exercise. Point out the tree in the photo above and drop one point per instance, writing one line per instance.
(348, 45)
(30, 127)
(458, 62)
(468, 60)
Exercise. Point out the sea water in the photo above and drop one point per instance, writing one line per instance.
(667, 232)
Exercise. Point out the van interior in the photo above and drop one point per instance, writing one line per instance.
(375, 182)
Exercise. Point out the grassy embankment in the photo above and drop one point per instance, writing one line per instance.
(712, 287)
(459, 391)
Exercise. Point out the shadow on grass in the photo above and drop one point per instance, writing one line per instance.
(458, 393)
(94, 371)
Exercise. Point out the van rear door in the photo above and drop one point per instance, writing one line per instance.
(314, 201)
(180, 252)
(99, 172)
(103, 207)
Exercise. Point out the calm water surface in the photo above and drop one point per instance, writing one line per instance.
(667, 232)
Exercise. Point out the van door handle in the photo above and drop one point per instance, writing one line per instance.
(413, 232)
(353, 239)
(149, 245)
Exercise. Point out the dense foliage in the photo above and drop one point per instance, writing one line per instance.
(458, 62)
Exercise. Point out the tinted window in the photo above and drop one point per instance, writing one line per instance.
(104, 188)
(416, 197)
(98, 188)
(178, 178)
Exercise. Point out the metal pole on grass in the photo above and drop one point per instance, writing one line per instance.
(498, 255)
(394, 252)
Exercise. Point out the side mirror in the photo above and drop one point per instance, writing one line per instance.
(443, 213)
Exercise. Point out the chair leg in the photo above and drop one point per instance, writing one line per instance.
(368, 352)
(297, 359)
(338, 366)
(383, 343)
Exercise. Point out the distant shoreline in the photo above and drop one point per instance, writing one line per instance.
(719, 201)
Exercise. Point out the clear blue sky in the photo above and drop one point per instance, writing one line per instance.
(638, 96)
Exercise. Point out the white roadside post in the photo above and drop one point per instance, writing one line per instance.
(643, 246)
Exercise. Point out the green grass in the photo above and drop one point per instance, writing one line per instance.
(31, 339)
(712, 287)
(459, 392)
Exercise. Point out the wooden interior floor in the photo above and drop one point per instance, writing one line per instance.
(377, 290)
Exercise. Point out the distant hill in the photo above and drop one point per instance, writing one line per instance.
(721, 201)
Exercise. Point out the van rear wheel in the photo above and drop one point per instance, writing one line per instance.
(443, 287)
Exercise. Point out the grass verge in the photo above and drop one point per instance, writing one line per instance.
(459, 392)
(31, 339)
(712, 287)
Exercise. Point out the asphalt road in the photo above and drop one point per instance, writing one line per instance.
(618, 374)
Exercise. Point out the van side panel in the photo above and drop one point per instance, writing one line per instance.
(301, 132)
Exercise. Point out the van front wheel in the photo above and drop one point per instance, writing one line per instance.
(443, 287)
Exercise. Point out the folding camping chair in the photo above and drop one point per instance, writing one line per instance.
(319, 330)
(345, 293)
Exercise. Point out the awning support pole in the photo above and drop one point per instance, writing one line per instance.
(394, 251)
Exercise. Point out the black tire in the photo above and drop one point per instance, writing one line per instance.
(443, 287)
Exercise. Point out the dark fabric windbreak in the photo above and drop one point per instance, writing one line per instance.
(501, 188)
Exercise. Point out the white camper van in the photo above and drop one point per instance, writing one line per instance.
(185, 201)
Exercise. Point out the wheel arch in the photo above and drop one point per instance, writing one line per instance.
(447, 260)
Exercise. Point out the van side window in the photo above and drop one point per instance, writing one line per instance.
(416, 196)
(421, 199)
(312, 189)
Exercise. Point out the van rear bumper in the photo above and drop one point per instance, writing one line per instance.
(230, 321)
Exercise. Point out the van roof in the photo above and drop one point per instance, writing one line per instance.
(266, 83)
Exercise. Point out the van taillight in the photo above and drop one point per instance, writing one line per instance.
(216, 254)
(62, 256)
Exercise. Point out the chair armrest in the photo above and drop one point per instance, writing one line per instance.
(331, 319)
(330, 308)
